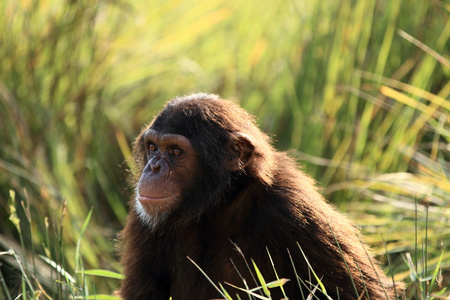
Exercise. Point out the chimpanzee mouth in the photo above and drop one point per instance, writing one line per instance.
(146, 199)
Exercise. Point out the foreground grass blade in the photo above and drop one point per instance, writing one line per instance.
(103, 273)
(209, 279)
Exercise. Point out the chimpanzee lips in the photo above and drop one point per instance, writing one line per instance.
(146, 199)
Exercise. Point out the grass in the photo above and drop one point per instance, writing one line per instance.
(359, 90)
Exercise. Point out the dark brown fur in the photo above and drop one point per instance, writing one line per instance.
(269, 206)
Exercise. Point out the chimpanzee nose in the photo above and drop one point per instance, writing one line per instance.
(153, 165)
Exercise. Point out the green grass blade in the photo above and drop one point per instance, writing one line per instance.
(99, 297)
(209, 279)
(436, 271)
(103, 273)
(249, 292)
(261, 279)
(319, 282)
(276, 274)
(58, 268)
(82, 230)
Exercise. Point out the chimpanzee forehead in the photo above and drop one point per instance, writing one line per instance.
(186, 120)
(205, 118)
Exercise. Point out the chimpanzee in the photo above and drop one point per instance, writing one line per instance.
(210, 184)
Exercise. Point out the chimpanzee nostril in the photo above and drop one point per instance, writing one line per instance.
(153, 165)
(156, 167)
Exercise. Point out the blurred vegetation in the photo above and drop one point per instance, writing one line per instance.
(358, 90)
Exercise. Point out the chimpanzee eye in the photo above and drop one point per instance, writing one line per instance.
(152, 147)
(177, 152)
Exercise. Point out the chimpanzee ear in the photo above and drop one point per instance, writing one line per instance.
(243, 151)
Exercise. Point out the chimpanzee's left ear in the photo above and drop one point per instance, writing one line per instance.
(243, 148)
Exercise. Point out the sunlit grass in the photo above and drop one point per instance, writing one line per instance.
(357, 90)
